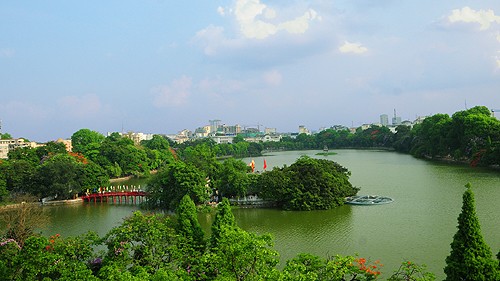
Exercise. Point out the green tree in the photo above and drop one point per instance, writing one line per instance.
(432, 137)
(156, 143)
(131, 159)
(308, 184)
(172, 182)
(92, 176)
(24, 153)
(202, 156)
(3, 187)
(191, 238)
(223, 218)
(187, 225)
(232, 178)
(49, 149)
(158, 151)
(238, 138)
(402, 139)
(19, 175)
(52, 258)
(470, 257)
(5, 136)
(147, 241)
(59, 175)
(86, 141)
(241, 255)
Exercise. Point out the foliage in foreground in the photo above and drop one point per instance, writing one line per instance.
(470, 258)
(160, 247)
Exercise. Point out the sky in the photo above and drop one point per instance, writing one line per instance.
(156, 66)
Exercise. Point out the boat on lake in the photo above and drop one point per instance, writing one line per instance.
(368, 200)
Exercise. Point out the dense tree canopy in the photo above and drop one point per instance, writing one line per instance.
(87, 142)
(175, 180)
(233, 178)
(307, 184)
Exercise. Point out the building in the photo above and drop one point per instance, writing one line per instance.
(222, 139)
(214, 126)
(303, 130)
(231, 130)
(396, 120)
(11, 144)
(384, 120)
(137, 137)
(202, 132)
(67, 143)
(269, 131)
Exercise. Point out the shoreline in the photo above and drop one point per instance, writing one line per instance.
(152, 172)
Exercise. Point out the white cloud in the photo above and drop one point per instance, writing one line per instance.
(83, 106)
(248, 14)
(273, 78)
(175, 94)
(210, 37)
(467, 15)
(263, 36)
(7, 53)
(221, 11)
(355, 48)
(498, 37)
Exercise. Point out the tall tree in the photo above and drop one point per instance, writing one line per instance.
(470, 258)
(192, 237)
(223, 218)
(84, 141)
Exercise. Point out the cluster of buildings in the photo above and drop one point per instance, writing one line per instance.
(7, 145)
(220, 133)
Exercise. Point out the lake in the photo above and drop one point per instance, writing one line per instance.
(419, 225)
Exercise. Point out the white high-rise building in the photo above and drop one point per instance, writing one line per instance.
(384, 120)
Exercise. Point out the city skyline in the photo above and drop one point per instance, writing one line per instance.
(164, 66)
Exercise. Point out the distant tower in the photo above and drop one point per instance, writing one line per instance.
(396, 120)
(384, 120)
(214, 126)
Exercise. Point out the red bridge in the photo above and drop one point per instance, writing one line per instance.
(131, 197)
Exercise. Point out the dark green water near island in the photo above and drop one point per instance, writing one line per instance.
(419, 225)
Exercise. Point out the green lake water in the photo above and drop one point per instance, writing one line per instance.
(419, 225)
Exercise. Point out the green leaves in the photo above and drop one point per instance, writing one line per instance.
(470, 257)
(172, 182)
(307, 184)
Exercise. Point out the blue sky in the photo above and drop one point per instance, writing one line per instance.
(163, 66)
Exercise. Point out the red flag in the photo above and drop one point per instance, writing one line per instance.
(265, 164)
